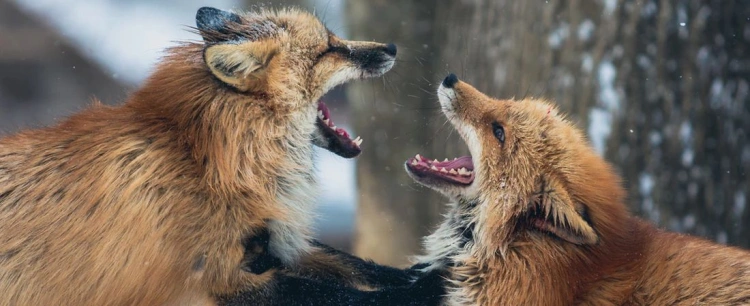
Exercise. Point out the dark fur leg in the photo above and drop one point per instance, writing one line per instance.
(292, 290)
(365, 272)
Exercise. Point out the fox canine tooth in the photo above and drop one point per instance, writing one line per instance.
(419, 158)
(326, 121)
(413, 162)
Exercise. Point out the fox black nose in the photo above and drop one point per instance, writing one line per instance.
(450, 80)
(390, 49)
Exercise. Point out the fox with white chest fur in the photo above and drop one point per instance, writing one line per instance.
(538, 218)
(148, 203)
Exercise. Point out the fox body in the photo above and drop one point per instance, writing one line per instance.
(538, 218)
(149, 203)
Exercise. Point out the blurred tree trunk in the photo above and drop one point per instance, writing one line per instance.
(661, 87)
(397, 117)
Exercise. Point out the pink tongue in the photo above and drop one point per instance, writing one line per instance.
(322, 107)
(461, 162)
(342, 132)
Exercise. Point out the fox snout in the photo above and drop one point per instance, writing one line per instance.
(373, 58)
(450, 81)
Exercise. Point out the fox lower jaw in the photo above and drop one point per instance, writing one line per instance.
(351, 73)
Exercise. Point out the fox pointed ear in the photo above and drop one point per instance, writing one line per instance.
(556, 213)
(243, 65)
(214, 24)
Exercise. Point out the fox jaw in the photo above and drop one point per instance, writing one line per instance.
(527, 174)
(291, 58)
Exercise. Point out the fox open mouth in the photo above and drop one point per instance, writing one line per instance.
(332, 138)
(459, 171)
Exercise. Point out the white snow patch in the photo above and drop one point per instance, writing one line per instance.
(739, 204)
(602, 115)
(645, 184)
(686, 130)
(688, 222)
(336, 179)
(587, 62)
(687, 157)
(609, 6)
(655, 138)
(558, 36)
(643, 61)
(607, 93)
(722, 237)
(586, 30)
(649, 9)
(600, 126)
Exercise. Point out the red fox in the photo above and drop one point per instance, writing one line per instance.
(539, 218)
(158, 201)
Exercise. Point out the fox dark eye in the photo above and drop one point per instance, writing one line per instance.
(499, 132)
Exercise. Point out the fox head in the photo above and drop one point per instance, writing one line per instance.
(530, 172)
(244, 100)
(290, 57)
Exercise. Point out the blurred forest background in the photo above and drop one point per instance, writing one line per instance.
(661, 86)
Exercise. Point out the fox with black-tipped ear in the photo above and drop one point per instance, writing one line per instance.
(163, 200)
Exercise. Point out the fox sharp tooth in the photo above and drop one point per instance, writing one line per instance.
(443, 170)
(453, 171)
(357, 141)
(334, 127)
(326, 121)
(435, 161)
(434, 168)
(419, 158)
(465, 172)
(320, 115)
(445, 160)
(455, 158)
(413, 162)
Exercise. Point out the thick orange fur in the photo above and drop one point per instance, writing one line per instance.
(147, 203)
(546, 159)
